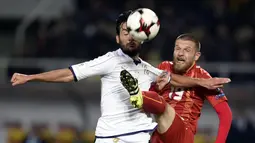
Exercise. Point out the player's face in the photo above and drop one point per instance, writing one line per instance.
(128, 45)
(185, 55)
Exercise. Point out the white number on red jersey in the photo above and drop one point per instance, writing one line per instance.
(176, 93)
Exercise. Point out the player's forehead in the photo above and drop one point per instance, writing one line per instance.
(185, 43)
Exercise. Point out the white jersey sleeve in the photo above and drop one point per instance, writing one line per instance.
(155, 71)
(98, 66)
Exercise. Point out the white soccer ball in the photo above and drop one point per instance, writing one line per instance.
(143, 24)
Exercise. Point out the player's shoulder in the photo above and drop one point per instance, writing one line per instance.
(112, 54)
(119, 56)
(199, 69)
(149, 67)
(146, 63)
(202, 72)
(106, 56)
(106, 59)
(165, 65)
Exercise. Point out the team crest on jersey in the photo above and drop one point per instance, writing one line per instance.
(220, 95)
(116, 140)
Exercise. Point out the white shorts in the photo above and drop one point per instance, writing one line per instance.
(135, 138)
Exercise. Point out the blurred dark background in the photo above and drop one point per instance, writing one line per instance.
(41, 35)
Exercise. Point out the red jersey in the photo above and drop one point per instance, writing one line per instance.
(188, 102)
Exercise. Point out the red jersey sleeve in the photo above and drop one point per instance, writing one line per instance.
(213, 96)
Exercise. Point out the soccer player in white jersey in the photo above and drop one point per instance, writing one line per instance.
(119, 121)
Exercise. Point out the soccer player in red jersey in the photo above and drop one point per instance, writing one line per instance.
(178, 109)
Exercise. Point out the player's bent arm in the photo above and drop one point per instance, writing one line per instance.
(61, 75)
(218, 100)
(99, 66)
(225, 119)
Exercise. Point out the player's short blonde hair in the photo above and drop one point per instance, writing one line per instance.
(190, 37)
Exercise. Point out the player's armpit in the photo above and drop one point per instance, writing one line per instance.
(225, 118)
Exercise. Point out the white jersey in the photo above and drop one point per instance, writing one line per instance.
(118, 117)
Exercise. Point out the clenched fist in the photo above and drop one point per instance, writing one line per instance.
(162, 80)
(18, 78)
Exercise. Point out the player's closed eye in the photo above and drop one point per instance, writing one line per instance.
(125, 32)
(176, 48)
(187, 50)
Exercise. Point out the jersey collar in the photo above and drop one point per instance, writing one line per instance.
(191, 69)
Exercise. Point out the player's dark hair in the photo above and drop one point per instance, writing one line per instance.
(190, 37)
(122, 18)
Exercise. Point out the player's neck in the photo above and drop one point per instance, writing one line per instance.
(194, 63)
(179, 72)
(136, 58)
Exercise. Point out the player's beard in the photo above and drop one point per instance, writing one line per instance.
(132, 49)
(181, 68)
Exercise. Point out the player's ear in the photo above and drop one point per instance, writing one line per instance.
(117, 39)
(198, 54)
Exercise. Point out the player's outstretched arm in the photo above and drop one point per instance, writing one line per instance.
(61, 75)
(213, 83)
(183, 81)
(99, 66)
(225, 119)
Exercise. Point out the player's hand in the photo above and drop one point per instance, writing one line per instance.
(18, 78)
(214, 83)
(162, 80)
